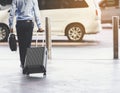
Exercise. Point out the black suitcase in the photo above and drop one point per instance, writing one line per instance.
(36, 60)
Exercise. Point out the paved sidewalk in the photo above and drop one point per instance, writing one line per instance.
(65, 73)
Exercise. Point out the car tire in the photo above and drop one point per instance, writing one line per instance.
(75, 32)
(4, 33)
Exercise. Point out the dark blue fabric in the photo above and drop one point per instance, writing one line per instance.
(24, 33)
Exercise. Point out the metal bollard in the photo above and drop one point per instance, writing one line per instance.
(48, 37)
(115, 21)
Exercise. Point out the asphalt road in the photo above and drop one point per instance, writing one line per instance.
(102, 39)
(97, 46)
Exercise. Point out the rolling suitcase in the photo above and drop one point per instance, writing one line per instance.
(36, 59)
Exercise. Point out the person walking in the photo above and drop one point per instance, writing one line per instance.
(25, 11)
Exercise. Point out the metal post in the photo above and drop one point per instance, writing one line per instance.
(115, 21)
(48, 37)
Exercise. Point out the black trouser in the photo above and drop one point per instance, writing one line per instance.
(24, 32)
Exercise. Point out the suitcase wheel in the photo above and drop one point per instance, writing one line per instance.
(44, 74)
(25, 72)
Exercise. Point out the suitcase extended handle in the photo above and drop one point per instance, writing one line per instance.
(43, 39)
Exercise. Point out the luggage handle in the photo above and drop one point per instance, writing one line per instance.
(43, 40)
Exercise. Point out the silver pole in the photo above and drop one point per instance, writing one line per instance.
(115, 21)
(48, 37)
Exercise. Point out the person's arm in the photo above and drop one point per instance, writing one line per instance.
(37, 14)
(11, 15)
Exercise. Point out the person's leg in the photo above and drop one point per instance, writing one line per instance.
(24, 33)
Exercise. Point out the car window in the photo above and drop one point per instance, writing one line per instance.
(108, 3)
(5, 4)
(61, 4)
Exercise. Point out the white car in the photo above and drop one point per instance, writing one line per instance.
(71, 18)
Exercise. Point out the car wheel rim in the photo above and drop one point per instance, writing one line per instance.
(75, 33)
(2, 33)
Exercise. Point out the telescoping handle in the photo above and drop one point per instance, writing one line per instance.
(43, 38)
